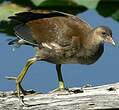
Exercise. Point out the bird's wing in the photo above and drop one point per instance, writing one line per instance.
(22, 31)
(25, 17)
(48, 27)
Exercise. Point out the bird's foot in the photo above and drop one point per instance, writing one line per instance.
(25, 92)
(20, 92)
(19, 89)
(60, 89)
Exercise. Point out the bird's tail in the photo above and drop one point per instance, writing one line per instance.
(17, 42)
(12, 41)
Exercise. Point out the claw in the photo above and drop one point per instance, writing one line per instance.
(11, 78)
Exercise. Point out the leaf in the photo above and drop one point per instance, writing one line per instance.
(9, 9)
(90, 4)
(6, 27)
(53, 2)
(115, 16)
(6, 10)
(69, 6)
(25, 3)
(107, 8)
(37, 2)
(1, 1)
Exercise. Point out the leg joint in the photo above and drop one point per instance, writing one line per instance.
(32, 59)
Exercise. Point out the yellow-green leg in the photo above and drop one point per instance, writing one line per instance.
(20, 77)
(22, 74)
(60, 78)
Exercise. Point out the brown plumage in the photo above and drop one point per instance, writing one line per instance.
(61, 38)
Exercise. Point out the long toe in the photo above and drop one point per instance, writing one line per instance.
(11, 78)
(28, 92)
(60, 90)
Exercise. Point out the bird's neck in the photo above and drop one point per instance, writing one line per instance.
(92, 41)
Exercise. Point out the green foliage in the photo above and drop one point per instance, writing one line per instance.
(8, 9)
(1, 1)
(116, 15)
(54, 3)
(69, 6)
(106, 8)
(23, 2)
(90, 4)
(37, 2)
(7, 27)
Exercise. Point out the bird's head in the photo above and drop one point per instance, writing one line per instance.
(104, 34)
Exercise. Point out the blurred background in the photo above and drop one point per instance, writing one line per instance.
(42, 76)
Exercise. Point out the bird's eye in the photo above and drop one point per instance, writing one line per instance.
(103, 33)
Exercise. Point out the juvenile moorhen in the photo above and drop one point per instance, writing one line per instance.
(59, 38)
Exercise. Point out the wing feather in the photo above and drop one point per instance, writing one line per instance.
(28, 20)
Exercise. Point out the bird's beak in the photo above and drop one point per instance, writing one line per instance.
(110, 40)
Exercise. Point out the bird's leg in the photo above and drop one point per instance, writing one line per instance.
(22, 74)
(20, 77)
(60, 79)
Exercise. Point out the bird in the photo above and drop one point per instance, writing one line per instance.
(58, 38)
